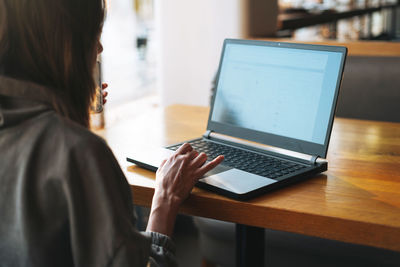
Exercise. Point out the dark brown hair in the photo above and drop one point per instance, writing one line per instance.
(53, 43)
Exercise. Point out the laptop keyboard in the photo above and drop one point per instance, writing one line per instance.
(248, 161)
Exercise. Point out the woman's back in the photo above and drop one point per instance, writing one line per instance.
(64, 200)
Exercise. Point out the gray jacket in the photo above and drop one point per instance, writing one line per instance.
(64, 200)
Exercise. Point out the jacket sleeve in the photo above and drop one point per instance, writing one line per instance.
(101, 218)
(162, 250)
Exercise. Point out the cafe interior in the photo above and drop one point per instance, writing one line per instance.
(161, 57)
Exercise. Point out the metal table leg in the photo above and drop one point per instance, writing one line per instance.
(249, 246)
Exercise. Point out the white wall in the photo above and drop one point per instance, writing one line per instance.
(191, 33)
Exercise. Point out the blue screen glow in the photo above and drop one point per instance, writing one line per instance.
(283, 91)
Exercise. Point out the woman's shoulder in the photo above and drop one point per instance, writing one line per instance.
(72, 135)
(61, 136)
(77, 149)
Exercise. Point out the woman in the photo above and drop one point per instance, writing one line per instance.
(64, 200)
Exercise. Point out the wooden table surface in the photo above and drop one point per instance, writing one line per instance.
(357, 200)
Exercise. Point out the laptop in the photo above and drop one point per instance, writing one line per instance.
(271, 117)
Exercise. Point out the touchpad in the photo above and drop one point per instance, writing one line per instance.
(220, 168)
(234, 180)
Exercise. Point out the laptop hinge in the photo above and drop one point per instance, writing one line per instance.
(313, 159)
(207, 134)
(306, 158)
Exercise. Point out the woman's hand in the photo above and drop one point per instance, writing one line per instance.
(105, 93)
(177, 175)
(175, 180)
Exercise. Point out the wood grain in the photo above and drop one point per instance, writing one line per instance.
(357, 200)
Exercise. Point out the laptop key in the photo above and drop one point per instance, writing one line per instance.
(263, 165)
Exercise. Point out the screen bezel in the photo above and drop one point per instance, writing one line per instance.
(288, 143)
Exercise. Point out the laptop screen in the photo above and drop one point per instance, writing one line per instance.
(283, 91)
(279, 94)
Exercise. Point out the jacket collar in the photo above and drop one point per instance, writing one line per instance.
(28, 90)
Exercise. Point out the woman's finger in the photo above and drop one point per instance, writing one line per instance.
(193, 154)
(199, 160)
(105, 94)
(183, 149)
(104, 85)
(209, 166)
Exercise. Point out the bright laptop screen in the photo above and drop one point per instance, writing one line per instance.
(282, 91)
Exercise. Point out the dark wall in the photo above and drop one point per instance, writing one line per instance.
(371, 89)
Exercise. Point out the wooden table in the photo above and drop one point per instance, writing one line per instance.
(357, 200)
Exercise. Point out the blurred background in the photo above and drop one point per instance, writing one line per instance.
(129, 57)
(171, 48)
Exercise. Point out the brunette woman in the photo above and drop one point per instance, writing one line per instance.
(64, 200)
